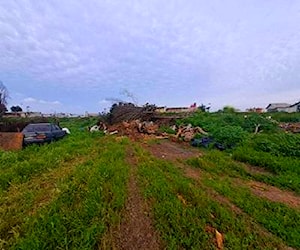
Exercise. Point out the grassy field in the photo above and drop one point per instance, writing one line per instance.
(71, 194)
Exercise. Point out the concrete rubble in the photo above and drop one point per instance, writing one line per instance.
(291, 127)
(140, 129)
(187, 133)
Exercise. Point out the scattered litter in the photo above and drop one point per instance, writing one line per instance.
(180, 197)
(291, 127)
(67, 130)
(137, 129)
(206, 142)
(187, 133)
(219, 238)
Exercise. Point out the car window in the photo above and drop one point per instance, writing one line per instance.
(53, 127)
(37, 128)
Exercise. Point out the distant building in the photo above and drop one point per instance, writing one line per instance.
(14, 114)
(34, 114)
(87, 114)
(255, 110)
(165, 109)
(23, 114)
(277, 107)
(283, 107)
(294, 108)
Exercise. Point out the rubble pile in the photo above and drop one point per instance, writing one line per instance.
(187, 133)
(291, 127)
(140, 122)
(129, 112)
(137, 129)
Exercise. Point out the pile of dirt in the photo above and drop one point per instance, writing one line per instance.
(291, 127)
(137, 129)
(134, 129)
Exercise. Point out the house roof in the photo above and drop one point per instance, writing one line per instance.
(278, 105)
(295, 104)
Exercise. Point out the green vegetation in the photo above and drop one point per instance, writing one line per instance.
(71, 194)
(184, 210)
(270, 148)
(286, 117)
(65, 194)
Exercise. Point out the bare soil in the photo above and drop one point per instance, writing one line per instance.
(257, 170)
(173, 151)
(177, 153)
(274, 194)
(136, 230)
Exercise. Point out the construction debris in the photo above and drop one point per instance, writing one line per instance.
(127, 119)
(291, 127)
(187, 133)
(129, 112)
(219, 238)
(137, 129)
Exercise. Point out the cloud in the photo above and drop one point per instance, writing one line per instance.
(29, 99)
(33, 100)
(176, 53)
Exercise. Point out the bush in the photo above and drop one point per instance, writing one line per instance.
(263, 159)
(229, 136)
(279, 144)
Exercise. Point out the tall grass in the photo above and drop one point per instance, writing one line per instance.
(221, 175)
(183, 211)
(90, 201)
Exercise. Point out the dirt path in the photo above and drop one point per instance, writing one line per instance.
(136, 230)
(256, 170)
(172, 151)
(178, 152)
(175, 152)
(274, 194)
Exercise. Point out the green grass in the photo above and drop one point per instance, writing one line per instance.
(63, 195)
(183, 224)
(18, 167)
(286, 169)
(221, 173)
(90, 201)
(71, 194)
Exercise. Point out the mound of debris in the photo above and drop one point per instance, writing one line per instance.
(291, 127)
(134, 129)
(137, 129)
(187, 133)
(123, 111)
(127, 119)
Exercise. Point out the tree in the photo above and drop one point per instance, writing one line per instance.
(16, 109)
(3, 98)
(204, 108)
(229, 109)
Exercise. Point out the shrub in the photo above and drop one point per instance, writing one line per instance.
(229, 136)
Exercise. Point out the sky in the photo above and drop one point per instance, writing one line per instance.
(76, 56)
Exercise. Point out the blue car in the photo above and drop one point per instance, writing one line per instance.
(41, 133)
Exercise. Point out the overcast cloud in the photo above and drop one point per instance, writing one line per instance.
(76, 56)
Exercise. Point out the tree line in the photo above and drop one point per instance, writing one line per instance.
(4, 96)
